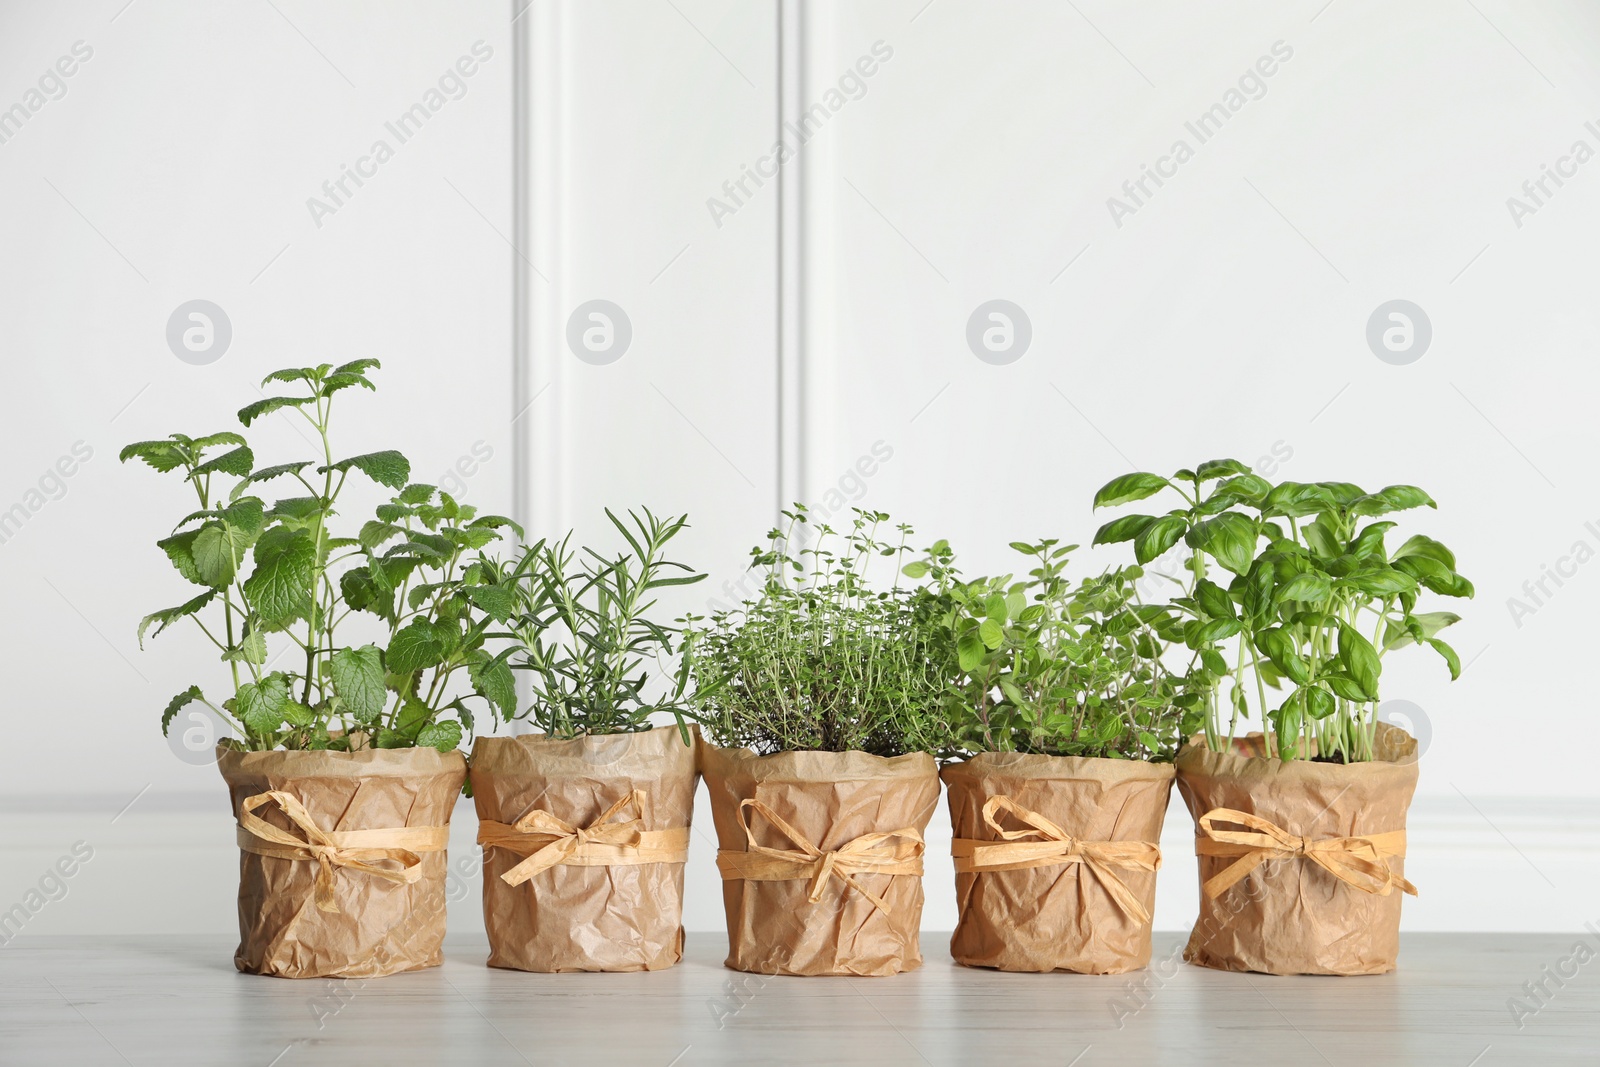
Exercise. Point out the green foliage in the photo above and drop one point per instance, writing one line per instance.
(1308, 601)
(1046, 665)
(581, 628)
(822, 660)
(279, 571)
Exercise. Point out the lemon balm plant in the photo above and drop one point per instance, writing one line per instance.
(1294, 588)
(345, 770)
(280, 574)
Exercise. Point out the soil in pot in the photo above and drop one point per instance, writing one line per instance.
(821, 858)
(1056, 860)
(1301, 863)
(342, 860)
(584, 848)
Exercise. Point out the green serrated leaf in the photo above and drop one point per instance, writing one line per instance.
(252, 648)
(164, 456)
(180, 550)
(177, 704)
(498, 601)
(444, 736)
(279, 589)
(388, 468)
(167, 616)
(492, 678)
(358, 681)
(261, 706)
(238, 461)
(251, 412)
(414, 647)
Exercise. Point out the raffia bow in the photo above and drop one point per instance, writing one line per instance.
(892, 852)
(355, 850)
(547, 841)
(1045, 844)
(1360, 862)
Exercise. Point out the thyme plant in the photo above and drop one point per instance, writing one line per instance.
(821, 659)
(279, 581)
(582, 630)
(1313, 599)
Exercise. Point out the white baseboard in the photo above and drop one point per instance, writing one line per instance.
(168, 865)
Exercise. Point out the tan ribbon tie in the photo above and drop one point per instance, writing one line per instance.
(356, 850)
(892, 852)
(603, 842)
(1045, 844)
(1360, 861)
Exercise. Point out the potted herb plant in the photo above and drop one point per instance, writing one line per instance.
(343, 768)
(1293, 589)
(1068, 722)
(585, 825)
(823, 695)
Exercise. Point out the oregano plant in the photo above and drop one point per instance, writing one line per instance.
(280, 582)
(1290, 588)
(1045, 664)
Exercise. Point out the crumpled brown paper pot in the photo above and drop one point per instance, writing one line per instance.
(1302, 864)
(821, 858)
(594, 832)
(342, 859)
(1056, 860)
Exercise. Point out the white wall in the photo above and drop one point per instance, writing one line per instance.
(1225, 317)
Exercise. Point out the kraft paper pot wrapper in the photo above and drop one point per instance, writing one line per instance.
(604, 820)
(827, 879)
(342, 859)
(1275, 903)
(1074, 887)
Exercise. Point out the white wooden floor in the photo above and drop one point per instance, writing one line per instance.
(85, 1001)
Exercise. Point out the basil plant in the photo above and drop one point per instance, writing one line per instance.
(1292, 597)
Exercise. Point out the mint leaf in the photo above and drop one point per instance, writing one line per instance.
(261, 707)
(492, 678)
(444, 736)
(280, 587)
(167, 616)
(180, 550)
(252, 648)
(499, 601)
(386, 468)
(218, 549)
(164, 456)
(335, 382)
(295, 374)
(358, 681)
(251, 412)
(177, 704)
(414, 647)
(239, 461)
(414, 715)
(266, 474)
